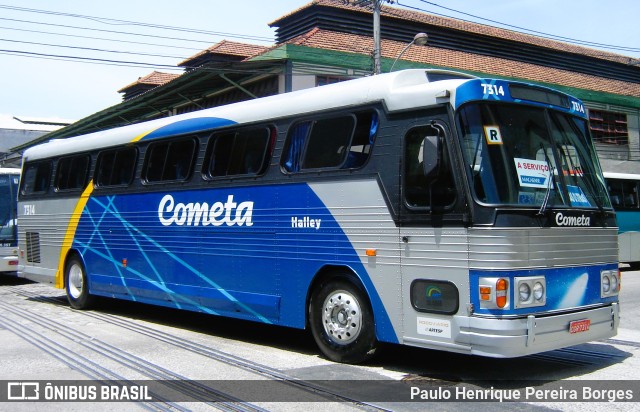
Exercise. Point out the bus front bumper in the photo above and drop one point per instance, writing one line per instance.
(9, 264)
(525, 336)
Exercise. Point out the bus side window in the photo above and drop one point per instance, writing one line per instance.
(363, 138)
(327, 143)
(116, 167)
(422, 191)
(240, 153)
(170, 161)
(37, 177)
(340, 142)
(72, 172)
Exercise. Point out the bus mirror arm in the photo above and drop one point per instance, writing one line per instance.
(431, 155)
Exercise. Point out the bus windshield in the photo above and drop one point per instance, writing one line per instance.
(8, 199)
(531, 157)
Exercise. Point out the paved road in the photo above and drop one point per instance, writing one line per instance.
(43, 339)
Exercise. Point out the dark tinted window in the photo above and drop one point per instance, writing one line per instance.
(242, 152)
(71, 173)
(116, 167)
(623, 193)
(170, 161)
(36, 178)
(343, 141)
(420, 190)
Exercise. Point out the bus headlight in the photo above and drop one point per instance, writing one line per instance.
(538, 291)
(606, 284)
(609, 283)
(614, 283)
(525, 292)
(532, 291)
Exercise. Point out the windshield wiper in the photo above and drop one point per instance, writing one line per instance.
(550, 182)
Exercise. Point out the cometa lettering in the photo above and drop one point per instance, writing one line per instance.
(562, 220)
(227, 213)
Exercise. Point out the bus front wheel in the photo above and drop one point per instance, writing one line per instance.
(341, 322)
(76, 284)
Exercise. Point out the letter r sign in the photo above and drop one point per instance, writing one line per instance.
(492, 134)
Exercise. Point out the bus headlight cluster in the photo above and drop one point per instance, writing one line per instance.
(609, 283)
(532, 291)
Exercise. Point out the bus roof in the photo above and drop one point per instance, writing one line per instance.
(9, 171)
(398, 91)
(622, 176)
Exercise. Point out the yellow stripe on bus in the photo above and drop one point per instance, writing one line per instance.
(71, 232)
(73, 225)
(139, 137)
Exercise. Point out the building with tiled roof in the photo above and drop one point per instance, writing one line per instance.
(146, 83)
(325, 41)
(224, 51)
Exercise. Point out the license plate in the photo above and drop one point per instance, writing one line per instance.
(578, 326)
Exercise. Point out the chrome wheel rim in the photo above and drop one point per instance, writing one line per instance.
(76, 281)
(342, 317)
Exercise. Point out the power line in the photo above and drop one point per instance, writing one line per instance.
(89, 59)
(92, 49)
(104, 30)
(539, 33)
(158, 66)
(106, 20)
(100, 38)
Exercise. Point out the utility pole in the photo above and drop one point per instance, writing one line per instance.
(377, 55)
(377, 5)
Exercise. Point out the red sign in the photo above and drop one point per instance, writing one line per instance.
(578, 326)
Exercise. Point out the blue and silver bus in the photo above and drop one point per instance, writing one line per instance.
(9, 178)
(623, 189)
(420, 207)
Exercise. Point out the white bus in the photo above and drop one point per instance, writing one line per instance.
(424, 208)
(623, 189)
(9, 179)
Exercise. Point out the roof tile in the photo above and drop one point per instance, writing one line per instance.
(458, 60)
(154, 78)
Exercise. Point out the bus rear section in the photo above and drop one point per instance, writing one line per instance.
(9, 179)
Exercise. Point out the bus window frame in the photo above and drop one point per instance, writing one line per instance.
(85, 178)
(622, 181)
(312, 120)
(23, 192)
(446, 166)
(115, 151)
(148, 150)
(212, 142)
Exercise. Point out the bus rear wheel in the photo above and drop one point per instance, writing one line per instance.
(341, 322)
(76, 284)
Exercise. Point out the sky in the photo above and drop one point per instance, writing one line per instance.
(67, 59)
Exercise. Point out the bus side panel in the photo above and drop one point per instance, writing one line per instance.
(249, 252)
(363, 216)
(42, 228)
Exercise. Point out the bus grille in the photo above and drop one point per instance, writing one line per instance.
(33, 247)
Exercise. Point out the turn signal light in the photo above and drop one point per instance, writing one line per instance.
(485, 292)
(502, 287)
(494, 292)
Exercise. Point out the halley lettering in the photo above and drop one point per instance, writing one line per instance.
(305, 222)
(562, 220)
(195, 214)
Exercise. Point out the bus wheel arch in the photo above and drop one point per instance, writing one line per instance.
(76, 282)
(340, 316)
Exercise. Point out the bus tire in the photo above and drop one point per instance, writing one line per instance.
(76, 284)
(341, 322)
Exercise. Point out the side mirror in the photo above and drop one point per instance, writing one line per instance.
(431, 149)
